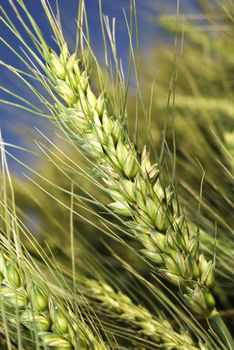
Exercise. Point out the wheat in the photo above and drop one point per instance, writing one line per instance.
(133, 184)
(53, 324)
(133, 181)
(158, 329)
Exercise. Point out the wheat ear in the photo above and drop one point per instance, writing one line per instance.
(55, 326)
(133, 184)
(158, 329)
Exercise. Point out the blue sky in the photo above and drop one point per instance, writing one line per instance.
(15, 124)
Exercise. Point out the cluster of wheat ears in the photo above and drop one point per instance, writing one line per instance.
(42, 305)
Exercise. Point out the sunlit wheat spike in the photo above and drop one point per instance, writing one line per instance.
(133, 184)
